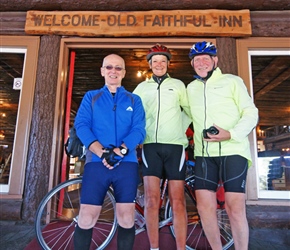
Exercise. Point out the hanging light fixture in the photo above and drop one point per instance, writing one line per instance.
(2, 135)
(139, 73)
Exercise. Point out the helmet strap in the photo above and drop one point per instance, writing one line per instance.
(209, 74)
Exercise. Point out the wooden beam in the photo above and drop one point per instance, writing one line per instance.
(227, 61)
(139, 5)
(264, 23)
(273, 115)
(12, 23)
(274, 83)
(285, 136)
(270, 23)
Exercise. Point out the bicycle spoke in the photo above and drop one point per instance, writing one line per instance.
(57, 217)
(196, 238)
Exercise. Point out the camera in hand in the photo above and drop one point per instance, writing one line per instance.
(211, 130)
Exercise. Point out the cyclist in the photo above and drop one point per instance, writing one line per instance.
(163, 152)
(222, 152)
(106, 117)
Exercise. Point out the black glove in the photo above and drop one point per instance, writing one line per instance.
(111, 157)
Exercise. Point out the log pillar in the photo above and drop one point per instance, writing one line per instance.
(39, 154)
(226, 50)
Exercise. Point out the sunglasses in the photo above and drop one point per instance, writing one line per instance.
(110, 67)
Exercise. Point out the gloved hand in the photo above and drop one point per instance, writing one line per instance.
(111, 157)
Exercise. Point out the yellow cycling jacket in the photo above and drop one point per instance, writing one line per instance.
(163, 104)
(223, 100)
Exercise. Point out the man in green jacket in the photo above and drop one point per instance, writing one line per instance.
(223, 115)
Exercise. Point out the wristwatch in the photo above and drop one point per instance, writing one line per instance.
(123, 150)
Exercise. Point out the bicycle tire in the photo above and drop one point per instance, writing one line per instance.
(57, 216)
(196, 238)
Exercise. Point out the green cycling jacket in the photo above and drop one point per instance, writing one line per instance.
(163, 103)
(223, 100)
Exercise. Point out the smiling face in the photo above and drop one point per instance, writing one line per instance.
(159, 64)
(113, 70)
(202, 64)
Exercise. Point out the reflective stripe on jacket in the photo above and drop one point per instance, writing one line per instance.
(162, 104)
(223, 100)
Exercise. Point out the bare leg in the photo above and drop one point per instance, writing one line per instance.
(207, 205)
(125, 214)
(152, 200)
(236, 210)
(88, 215)
(177, 201)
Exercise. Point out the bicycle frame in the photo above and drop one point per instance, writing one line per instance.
(188, 187)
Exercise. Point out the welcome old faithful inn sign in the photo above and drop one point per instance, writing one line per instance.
(140, 23)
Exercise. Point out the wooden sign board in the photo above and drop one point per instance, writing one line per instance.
(140, 23)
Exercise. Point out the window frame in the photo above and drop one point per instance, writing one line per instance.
(24, 114)
(244, 51)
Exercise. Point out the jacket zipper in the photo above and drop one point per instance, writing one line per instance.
(115, 115)
(158, 112)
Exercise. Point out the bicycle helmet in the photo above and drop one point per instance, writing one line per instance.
(158, 49)
(202, 48)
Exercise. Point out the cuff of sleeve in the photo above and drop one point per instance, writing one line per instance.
(91, 143)
(235, 136)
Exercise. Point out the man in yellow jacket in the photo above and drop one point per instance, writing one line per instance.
(223, 115)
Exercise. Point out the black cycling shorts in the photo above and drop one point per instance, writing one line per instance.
(231, 170)
(164, 161)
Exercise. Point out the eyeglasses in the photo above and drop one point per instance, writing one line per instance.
(110, 67)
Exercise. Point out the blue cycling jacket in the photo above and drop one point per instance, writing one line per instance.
(111, 120)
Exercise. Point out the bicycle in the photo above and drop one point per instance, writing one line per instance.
(57, 216)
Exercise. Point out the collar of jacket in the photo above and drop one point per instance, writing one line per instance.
(120, 88)
(159, 80)
(209, 74)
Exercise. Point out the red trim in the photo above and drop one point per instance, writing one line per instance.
(67, 114)
(66, 126)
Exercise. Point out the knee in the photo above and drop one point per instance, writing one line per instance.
(235, 212)
(152, 202)
(206, 207)
(126, 215)
(126, 220)
(86, 221)
(126, 223)
(177, 205)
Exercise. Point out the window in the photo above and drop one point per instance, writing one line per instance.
(264, 64)
(18, 58)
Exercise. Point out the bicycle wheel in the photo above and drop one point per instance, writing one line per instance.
(57, 216)
(196, 238)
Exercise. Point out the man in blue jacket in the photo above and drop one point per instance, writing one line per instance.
(111, 123)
